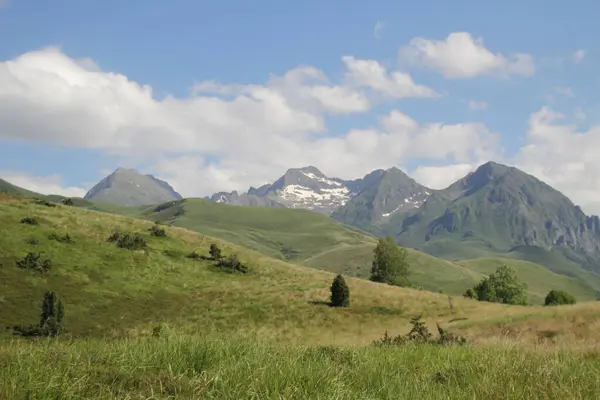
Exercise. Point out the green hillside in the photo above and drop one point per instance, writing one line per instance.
(539, 279)
(225, 335)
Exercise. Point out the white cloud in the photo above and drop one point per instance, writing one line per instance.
(371, 74)
(50, 184)
(378, 29)
(226, 137)
(565, 157)
(440, 177)
(579, 55)
(462, 56)
(477, 105)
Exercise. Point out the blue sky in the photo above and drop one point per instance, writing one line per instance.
(172, 46)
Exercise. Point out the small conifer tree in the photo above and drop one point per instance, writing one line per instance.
(340, 293)
(215, 252)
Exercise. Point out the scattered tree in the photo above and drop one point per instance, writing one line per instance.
(46, 203)
(502, 286)
(215, 252)
(67, 202)
(340, 293)
(558, 297)
(389, 263)
(51, 318)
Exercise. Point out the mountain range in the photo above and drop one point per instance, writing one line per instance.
(495, 210)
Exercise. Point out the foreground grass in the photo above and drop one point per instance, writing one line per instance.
(188, 367)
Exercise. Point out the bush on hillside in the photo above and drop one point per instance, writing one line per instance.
(502, 286)
(215, 252)
(157, 231)
(130, 241)
(389, 263)
(51, 319)
(29, 221)
(419, 334)
(46, 203)
(340, 293)
(62, 239)
(232, 263)
(67, 202)
(470, 294)
(558, 297)
(32, 262)
(32, 241)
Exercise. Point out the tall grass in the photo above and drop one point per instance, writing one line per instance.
(187, 367)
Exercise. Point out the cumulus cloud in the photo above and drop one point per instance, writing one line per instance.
(371, 74)
(579, 55)
(564, 156)
(461, 56)
(50, 184)
(227, 136)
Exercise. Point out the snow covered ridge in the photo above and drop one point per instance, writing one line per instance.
(311, 199)
(413, 201)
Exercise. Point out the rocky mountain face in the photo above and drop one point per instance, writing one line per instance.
(127, 187)
(383, 195)
(500, 209)
(358, 202)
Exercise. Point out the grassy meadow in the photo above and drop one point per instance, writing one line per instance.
(154, 324)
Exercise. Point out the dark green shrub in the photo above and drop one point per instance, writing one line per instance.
(340, 293)
(215, 252)
(232, 264)
(32, 262)
(419, 334)
(67, 202)
(559, 297)
(470, 294)
(157, 231)
(46, 203)
(194, 256)
(29, 221)
(130, 241)
(62, 239)
(32, 241)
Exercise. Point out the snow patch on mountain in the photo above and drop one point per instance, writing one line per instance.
(414, 201)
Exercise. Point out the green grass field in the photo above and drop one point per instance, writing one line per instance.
(187, 367)
(266, 334)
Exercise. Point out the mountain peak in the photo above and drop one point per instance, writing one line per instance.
(127, 187)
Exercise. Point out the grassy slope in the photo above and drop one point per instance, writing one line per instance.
(124, 294)
(320, 242)
(108, 289)
(539, 279)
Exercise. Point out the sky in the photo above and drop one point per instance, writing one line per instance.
(222, 95)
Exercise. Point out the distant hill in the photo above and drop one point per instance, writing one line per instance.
(127, 187)
(315, 240)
